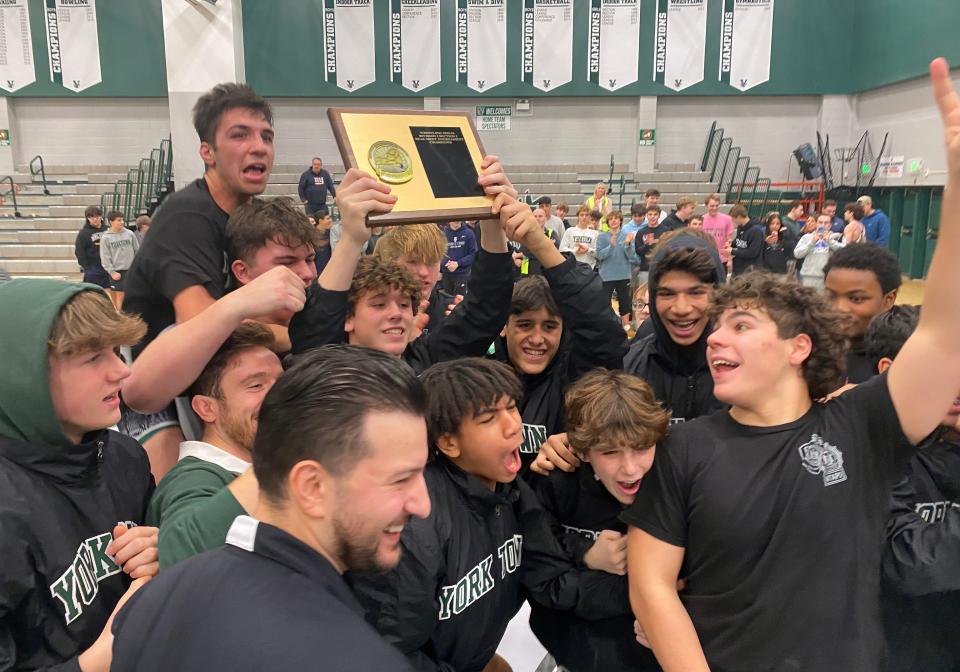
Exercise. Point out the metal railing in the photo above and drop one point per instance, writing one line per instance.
(143, 187)
(12, 193)
(42, 172)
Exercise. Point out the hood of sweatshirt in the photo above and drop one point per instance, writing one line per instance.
(27, 415)
(685, 359)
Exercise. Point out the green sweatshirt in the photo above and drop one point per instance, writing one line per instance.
(192, 506)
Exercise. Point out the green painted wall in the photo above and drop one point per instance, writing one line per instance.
(132, 62)
(895, 40)
(293, 40)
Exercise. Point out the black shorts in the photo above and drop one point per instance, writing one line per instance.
(97, 276)
(117, 285)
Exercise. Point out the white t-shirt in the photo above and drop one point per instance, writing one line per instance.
(574, 236)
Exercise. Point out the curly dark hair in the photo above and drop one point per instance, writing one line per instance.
(795, 310)
(375, 275)
(868, 257)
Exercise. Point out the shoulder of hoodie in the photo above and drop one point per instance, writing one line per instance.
(638, 354)
(125, 451)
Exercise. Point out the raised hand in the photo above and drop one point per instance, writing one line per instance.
(360, 194)
(949, 104)
(492, 178)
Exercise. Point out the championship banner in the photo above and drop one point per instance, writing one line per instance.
(415, 24)
(679, 47)
(73, 44)
(481, 43)
(16, 46)
(349, 54)
(547, 43)
(614, 43)
(745, 40)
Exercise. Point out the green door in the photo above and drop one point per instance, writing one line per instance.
(913, 230)
(933, 226)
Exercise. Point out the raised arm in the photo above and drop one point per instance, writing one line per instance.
(653, 567)
(925, 376)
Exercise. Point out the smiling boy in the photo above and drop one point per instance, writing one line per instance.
(781, 500)
(614, 422)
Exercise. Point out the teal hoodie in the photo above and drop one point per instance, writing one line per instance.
(28, 309)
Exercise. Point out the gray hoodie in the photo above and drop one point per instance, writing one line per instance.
(117, 250)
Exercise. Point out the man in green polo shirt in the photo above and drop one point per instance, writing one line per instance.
(197, 501)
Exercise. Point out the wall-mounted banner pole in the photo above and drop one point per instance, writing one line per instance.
(679, 43)
(72, 43)
(16, 49)
(547, 60)
(746, 38)
(349, 55)
(415, 43)
(481, 43)
(613, 53)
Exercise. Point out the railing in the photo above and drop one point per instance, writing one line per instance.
(143, 187)
(12, 193)
(42, 172)
(759, 200)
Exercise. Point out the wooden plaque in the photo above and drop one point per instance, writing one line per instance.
(431, 160)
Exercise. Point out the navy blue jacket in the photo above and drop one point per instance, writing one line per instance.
(461, 248)
(313, 186)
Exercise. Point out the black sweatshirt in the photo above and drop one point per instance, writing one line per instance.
(597, 633)
(592, 337)
(87, 246)
(921, 566)
(679, 375)
(448, 602)
(747, 247)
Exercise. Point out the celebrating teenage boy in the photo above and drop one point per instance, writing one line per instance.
(776, 509)
(72, 492)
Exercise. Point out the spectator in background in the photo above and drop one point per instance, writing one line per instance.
(142, 225)
(87, 247)
(376, 233)
(314, 185)
(601, 203)
(615, 257)
(118, 246)
(747, 248)
(853, 231)
(778, 244)
(815, 248)
(718, 225)
(794, 219)
(563, 210)
(678, 218)
(553, 222)
(322, 222)
(652, 197)
(641, 305)
(456, 263)
(876, 224)
(830, 208)
(646, 238)
(581, 239)
(696, 222)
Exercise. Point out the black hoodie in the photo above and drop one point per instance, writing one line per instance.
(679, 375)
(87, 246)
(920, 591)
(596, 631)
(59, 502)
(592, 337)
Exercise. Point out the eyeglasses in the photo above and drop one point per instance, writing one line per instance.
(639, 305)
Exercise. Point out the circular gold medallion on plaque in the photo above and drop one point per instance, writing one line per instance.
(390, 162)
